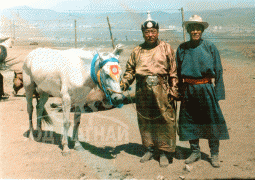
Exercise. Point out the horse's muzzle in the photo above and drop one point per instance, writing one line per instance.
(117, 100)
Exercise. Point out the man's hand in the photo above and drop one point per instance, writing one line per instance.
(172, 98)
(122, 86)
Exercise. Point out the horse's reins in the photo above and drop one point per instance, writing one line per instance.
(148, 118)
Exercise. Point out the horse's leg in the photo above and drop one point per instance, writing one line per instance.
(45, 114)
(29, 87)
(66, 104)
(92, 106)
(77, 118)
(39, 110)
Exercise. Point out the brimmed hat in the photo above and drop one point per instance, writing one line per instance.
(149, 23)
(195, 19)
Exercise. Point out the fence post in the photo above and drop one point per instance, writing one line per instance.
(183, 27)
(110, 32)
(75, 35)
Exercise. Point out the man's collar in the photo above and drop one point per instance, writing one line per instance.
(194, 44)
(150, 46)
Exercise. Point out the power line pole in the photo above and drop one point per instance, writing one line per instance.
(75, 34)
(183, 27)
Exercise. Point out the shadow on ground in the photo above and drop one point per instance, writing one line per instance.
(108, 152)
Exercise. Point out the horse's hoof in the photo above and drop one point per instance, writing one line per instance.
(38, 137)
(66, 153)
(31, 137)
(29, 134)
(78, 146)
(66, 150)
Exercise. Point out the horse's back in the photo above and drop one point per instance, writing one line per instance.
(52, 69)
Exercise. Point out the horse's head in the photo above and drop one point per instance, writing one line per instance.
(109, 76)
(118, 50)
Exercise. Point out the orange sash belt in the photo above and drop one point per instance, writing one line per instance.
(197, 81)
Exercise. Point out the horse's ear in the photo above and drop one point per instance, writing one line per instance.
(99, 56)
(118, 49)
(2, 40)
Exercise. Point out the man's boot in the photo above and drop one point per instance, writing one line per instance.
(148, 155)
(196, 154)
(163, 159)
(214, 148)
(215, 161)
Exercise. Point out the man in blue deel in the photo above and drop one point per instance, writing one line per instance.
(198, 63)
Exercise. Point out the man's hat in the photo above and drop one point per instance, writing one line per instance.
(149, 23)
(195, 19)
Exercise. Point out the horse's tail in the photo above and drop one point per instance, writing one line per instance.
(45, 116)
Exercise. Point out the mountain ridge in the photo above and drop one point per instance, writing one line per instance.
(231, 17)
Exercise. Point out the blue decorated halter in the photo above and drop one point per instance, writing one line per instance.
(97, 78)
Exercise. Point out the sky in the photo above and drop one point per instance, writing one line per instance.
(127, 5)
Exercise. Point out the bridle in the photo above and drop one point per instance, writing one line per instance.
(97, 77)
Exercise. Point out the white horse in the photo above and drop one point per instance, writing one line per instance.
(65, 74)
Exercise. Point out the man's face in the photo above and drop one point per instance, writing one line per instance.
(150, 35)
(195, 31)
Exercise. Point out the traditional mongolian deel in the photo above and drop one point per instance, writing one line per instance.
(200, 114)
(155, 72)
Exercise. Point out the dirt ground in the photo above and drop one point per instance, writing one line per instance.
(110, 140)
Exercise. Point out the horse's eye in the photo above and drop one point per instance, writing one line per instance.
(107, 75)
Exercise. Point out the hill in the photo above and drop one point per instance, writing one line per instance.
(241, 17)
